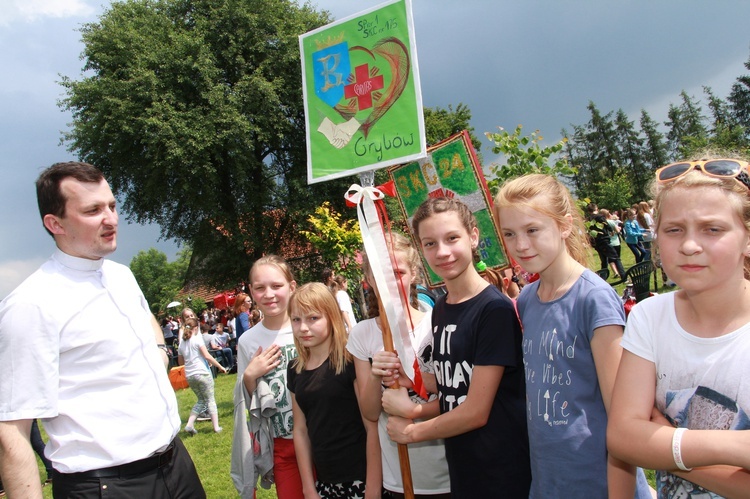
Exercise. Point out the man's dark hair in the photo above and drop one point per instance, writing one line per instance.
(49, 196)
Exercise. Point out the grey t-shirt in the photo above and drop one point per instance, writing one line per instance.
(567, 421)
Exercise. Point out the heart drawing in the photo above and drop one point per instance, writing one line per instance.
(365, 87)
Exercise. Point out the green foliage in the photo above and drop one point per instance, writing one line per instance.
(160, 280)
(524, 154)
(686, 125)
(193, 111)
(441, 123)
(338, 241)
(614, 193)
(197, 304)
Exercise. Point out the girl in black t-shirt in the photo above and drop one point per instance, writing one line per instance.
(330, 436)
(476, 362)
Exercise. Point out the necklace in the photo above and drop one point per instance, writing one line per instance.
(554, 295)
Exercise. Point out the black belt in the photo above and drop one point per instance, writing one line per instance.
(150, 463)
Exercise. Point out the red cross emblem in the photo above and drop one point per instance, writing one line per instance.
(363, 87)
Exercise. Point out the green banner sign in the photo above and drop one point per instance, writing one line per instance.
(451, 169)
(363, 103)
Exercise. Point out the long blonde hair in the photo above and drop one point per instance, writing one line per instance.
(316, 297)
(548, 196)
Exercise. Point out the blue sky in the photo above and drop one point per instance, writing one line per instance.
(536, 63)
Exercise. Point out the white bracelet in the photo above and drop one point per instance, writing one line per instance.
(677, 450)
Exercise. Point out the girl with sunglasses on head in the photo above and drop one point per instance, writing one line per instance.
(684, 377)
(572, 322)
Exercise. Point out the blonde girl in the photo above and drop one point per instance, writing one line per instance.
(477, 365)
(330, 438)
(193, 354)
(573, 323)
(263, 355)
(429, 468)
(684, 376)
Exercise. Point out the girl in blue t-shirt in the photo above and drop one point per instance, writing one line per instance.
(476, 363)
(573, 322)
(330, 437)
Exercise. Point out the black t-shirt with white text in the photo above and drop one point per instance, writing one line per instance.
(491, 461)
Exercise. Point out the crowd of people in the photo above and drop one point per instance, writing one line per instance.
(634, 226)
(527, 382)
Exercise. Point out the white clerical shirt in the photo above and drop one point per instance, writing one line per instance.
(77, 349)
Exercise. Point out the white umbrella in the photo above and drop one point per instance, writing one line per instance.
(173, 304)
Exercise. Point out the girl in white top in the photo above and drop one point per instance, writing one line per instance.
(338, 287)
(193, 354)
(684, 378)
(265, 351)
(429, 468)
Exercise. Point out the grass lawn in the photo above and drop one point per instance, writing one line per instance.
(211, 452)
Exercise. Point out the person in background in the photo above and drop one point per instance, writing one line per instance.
(103, 394)
(242, 305)
(613, 254)
(633, 235)
(220, 341)
(166, 329)
(194, 355)
(339, 289)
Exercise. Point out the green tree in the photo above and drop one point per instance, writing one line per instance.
(614, 193)
(193, 110)
(686, 127)
(654, 148)
(160, 280)
(725, 133)
(525, 154)
(441, 123)
(739, 101)
(337, 239)
(594, 151)
(630, 144)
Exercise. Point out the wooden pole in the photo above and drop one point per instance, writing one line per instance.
(403, 450)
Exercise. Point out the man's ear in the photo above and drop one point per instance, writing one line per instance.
(52, 223)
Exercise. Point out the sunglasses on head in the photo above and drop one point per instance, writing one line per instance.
(720, 168)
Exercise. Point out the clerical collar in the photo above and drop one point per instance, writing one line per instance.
(75, 263)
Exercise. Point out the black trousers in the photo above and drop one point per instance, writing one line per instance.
(176, 479)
